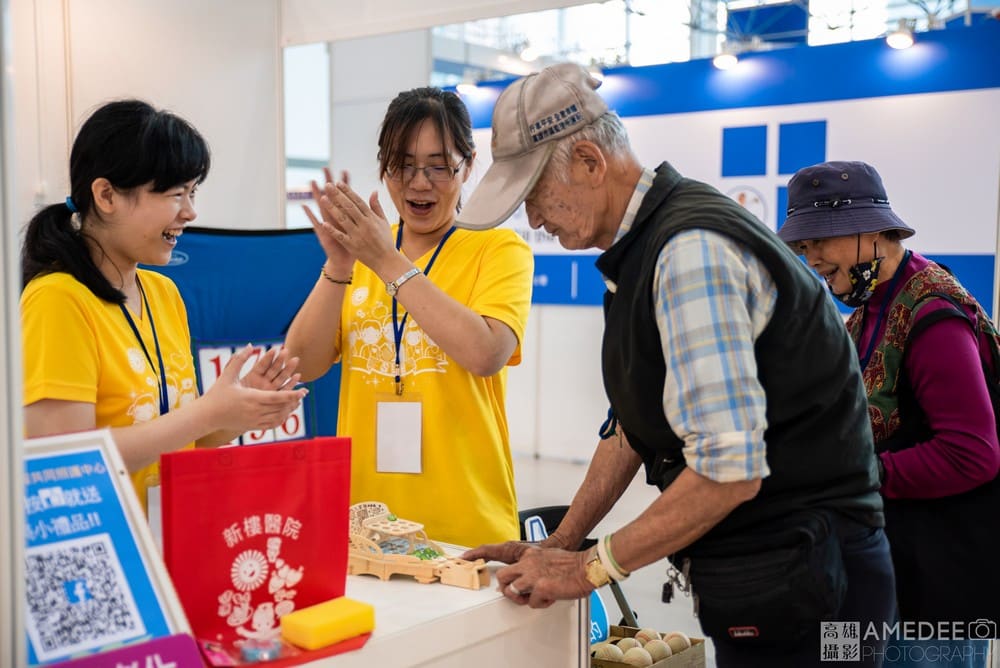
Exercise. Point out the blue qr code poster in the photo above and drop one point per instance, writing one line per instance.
(88, 582)
(79, 598)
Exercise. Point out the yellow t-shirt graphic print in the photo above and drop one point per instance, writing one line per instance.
(465, 491)
(371, 344)
(77, 347)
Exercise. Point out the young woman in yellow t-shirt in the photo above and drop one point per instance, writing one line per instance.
(105, 343)
(424, 318)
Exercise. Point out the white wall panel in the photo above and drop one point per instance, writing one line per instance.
(379, 67)
(12, 636)
(570, 402)
(217, 67)
(936, 183)
(366, 74)
(523, 391)
(307, 21)
(39, 149)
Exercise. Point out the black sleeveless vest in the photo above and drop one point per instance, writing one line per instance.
(819, 442)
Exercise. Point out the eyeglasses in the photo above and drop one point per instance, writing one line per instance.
(435, 173)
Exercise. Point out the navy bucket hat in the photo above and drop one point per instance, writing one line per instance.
(837, 199)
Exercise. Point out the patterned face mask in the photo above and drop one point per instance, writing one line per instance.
(864, 278)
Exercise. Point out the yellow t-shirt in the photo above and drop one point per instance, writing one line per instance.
(465, 493)
(77, 347)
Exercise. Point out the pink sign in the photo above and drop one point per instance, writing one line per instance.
(176, 651)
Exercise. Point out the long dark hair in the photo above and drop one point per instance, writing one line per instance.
(404, 116)
(130, 144)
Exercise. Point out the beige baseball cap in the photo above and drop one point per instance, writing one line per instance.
(529, 116)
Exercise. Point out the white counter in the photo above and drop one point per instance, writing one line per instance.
(444, 626)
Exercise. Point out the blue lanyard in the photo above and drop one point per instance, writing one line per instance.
(162, 381)
(881, 312)
(397, 327)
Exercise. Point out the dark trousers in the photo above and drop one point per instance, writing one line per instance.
(870, 600)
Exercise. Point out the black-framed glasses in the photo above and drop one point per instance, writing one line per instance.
(435, 173)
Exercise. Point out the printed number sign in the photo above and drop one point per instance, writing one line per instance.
(212, 359)
(93, 579)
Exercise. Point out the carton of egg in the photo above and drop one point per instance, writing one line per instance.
(645, 648)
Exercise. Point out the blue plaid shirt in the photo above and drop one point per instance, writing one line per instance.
(713, 298)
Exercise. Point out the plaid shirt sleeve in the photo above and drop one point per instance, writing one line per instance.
(713, 298)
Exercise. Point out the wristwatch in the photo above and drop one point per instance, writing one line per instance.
(597, 575)
(392, 287)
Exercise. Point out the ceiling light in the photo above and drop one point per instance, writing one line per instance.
(725, 61)
(728, 55)
(902, 36)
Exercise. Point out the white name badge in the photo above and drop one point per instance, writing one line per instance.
(397, 436)
(154, 514)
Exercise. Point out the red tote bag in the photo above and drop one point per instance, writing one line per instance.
(252, 533)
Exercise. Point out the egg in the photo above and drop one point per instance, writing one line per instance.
(678, 641)
(645, 635)
(607, 651)
(658, 649)
(628, 643)
(637, 656)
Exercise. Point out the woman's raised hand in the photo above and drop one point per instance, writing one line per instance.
(274, 370)
(359, 226)
(339, 260)
(237, 407)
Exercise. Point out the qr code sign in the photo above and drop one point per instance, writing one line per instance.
(78, 597)
(840, 641)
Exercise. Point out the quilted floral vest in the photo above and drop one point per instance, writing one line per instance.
(881, 375)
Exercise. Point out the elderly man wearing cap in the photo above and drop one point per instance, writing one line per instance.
(923, 343)
(730, 377)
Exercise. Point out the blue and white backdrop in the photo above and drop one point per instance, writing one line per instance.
(925, 117)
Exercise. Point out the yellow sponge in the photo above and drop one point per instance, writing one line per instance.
(327, 623)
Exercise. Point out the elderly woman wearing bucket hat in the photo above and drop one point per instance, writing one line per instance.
(923, 342)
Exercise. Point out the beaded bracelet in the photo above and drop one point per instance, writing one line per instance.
(322, 272)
